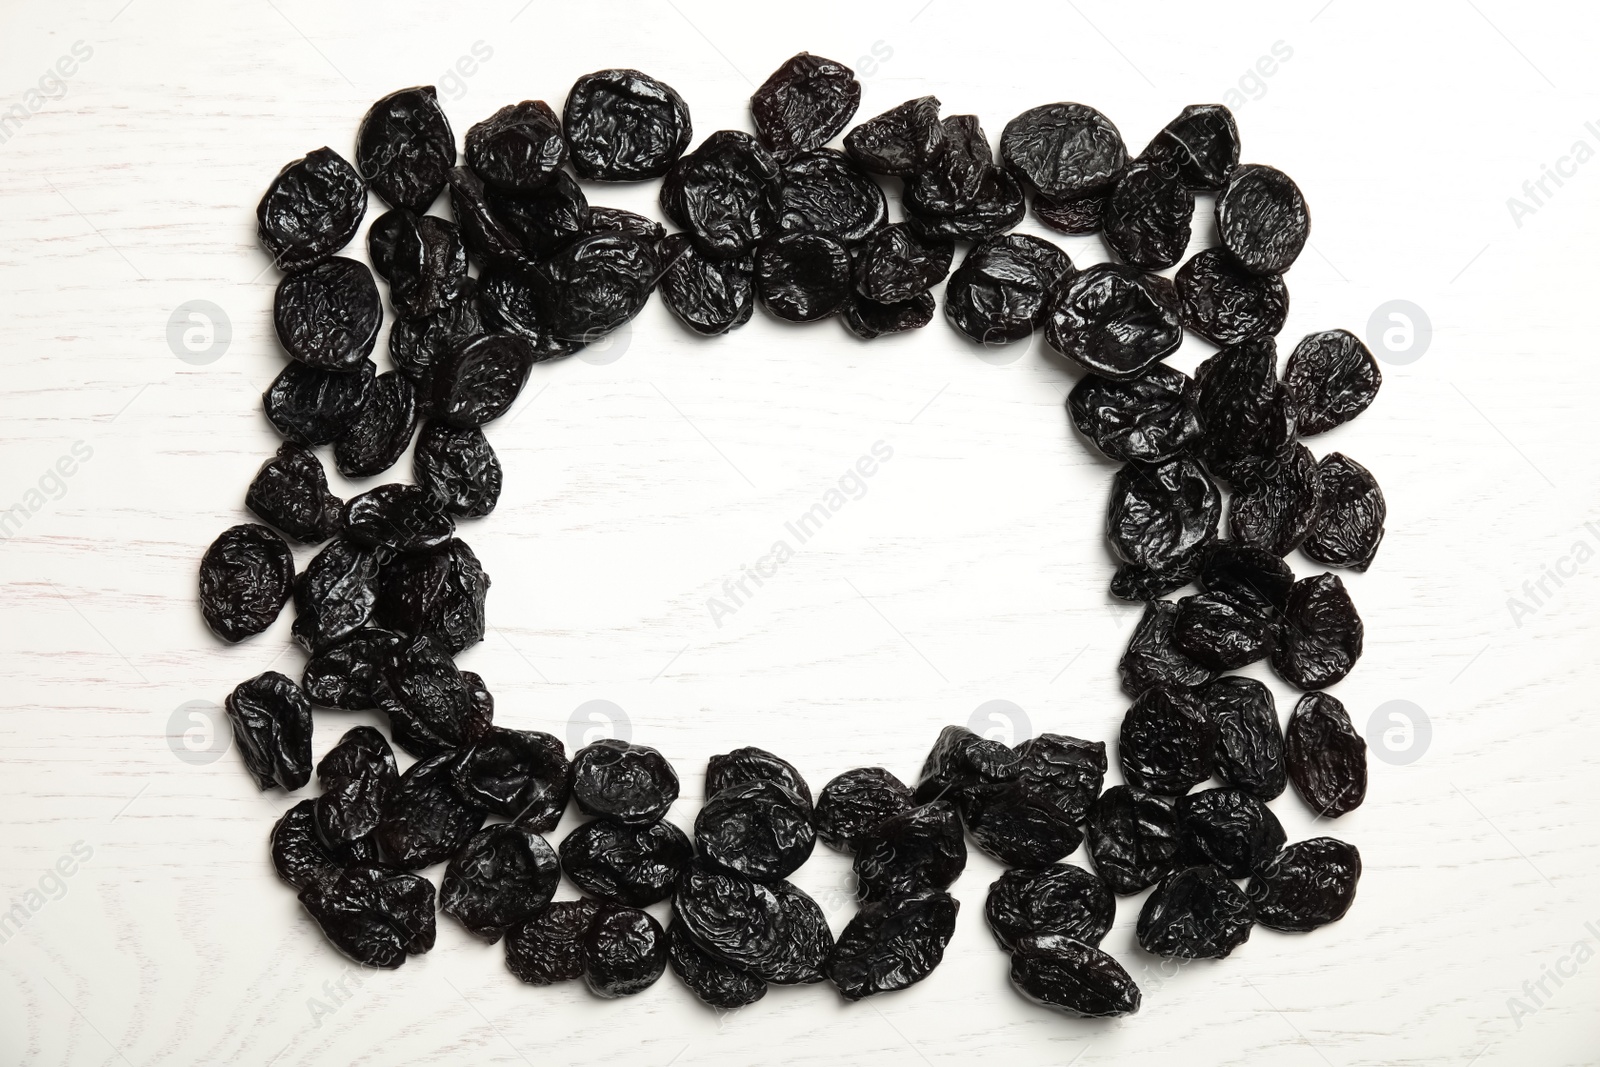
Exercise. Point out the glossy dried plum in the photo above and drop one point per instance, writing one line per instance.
(716, 983)
(1246, 412)
(804, 103)
(1069, 770)
(710, 296)
(299, 855)
(245, 579)
(1160, 514)
(1226, 304)
(1018, 823)
(439, 595)
(1321, 636)
(1204, 143)
(1114, 320)
(356, 776)
(520, 774)
(405, 148)
(480, 379)
(629, 784)
(939, 205)
(617, 220)
(807, 942)
(897, 264)
(425, 262)
(758, 829)
(1135, 581)
(488, 239)
(1327, 759)
(1247, 573)
(544, 219)
(868, 319)
(1276, 507)
(503, 876)
(425, 820)
(1147, 216)
(1262, 218)
(458, 467)
(724, 194)
(519, 148)
(803, 277)
(1349, 527)
(328, 316)
(1309, 884)
(1195, 913)
(623, 125)
(419, 345)
(1063, 150)
(624, 951)
(1145, 419)
(1230, 829)
(596, 282)
(1222, 632)
(918, 849)
(852, 804)
(373, 915)
(345, 675)
(310, 406)
(1333, 378)
(271, 721)
(515, 303)
(1002, 290)
(894, 943)
(825, 192)
(1075, 215)
(1057, 899)
(959, 760)
(398, 517)
(290, 492)
(751, 764)
(632, 865)
(549, 947)
(335, 595)
(1067, 975)
(428, 701)
(901, 141)
(381, 434)
(733, 919)
(1249, 752)
(481, 717)
(1153, 656)
(311, 210)
(1133, 838)
(1166, 742)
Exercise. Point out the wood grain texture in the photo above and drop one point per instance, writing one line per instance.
(971, 568)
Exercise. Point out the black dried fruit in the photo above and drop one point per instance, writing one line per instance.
(425, 820)
(1333, 378)
(422, 258)
(1327, 759)
(740, 922)
(311, 210)
(419, 345)
(271, 720)
(629, 784)
(1247, 413)
(597, 282)
(825, 192)
(1002, 290)
(624, 126)
(346, 675)
(429, 702)
(1276, 507)
(480, 379)
(632, 865)
(439, 595)
(310, 406)
(1075, 215)
(335, 595)
(549, 947)
(759, 829)
(356, 776)
(290, 492)
(1195, 914)
(481, 719)
(519, 148)
(1349, 528)
(328, 316)
(616, 220)
(1204, 143)
(724, 194)
(1065, 974)
(1249, 752)
(520, 774)
(710, 296)
(803, 277)
(1160, 514)
(1321, 634)
(503, 876)
(382, 432)
(1145, 419)
(716, 983)
(852, 805)
(1230, 829)
(807, 942)
(1226, 304)
(1070, 770)
(245, 578)
(490, 241)
(515, 302)
(1262, 218)
(753, 764)
(624, 951)
(1147, 215)
(1247, 573)
(868, 319)
(544, 219)
(1058, 899)
(897, 264)
(299, 855)
(893, 943)
(1114, 321)
(405, 148)
(1133, 838)
(962, 194)
(901, 141)
(804, 103)
(1063, 150)
(398, 517)
(1018, 823)
(1307, 885)
(1153, 656)
(959, 760)
(1135, 581)
(375, 916)
(1166, 742)
(457, 465)
(918, 849)
(1222, 632)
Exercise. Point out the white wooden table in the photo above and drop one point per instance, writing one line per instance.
(970, 568)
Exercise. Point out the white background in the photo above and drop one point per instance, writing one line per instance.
(971, 570)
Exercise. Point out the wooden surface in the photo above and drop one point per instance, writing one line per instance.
(970, 569)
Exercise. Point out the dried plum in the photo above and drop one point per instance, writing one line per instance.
(1166, 742)
(897, 264)
(918, 849)
(629, 784)
(760, 829)
(516, 303)
(1230, 829)
(825, 192)
(428, 701)
(624, 126)
(710, 296)
(1070, 770)
(733, 919)
(1247, 573)
(901, 141)
(1133, 838)
(632, 865)
(1349, 527)
(399, 518)
(1019, 823)
(1057, 899)
(245, 579)
(597, 282)
(1135, 581)
(1063, 150)
(1321, 635)
(868, 319)
(544, 219)
(804, 104)
(1247, 413)
(520, 774)
(716, 983)
(1204, 143)
(1327, 759)
(290, 492)
(1075, 215)
(624, 951)
(724, 194)
(425, 262)
(959, 760)
(1145, 419)
(419, 345)
(1153, 656)
(488, 239)
(807, 942)
(1226, 304)
(519, 148)
(345, 675)
(1001, 291)
(356, 776)
(1222, 632)
(503, 876)
(405, 148)
(375, 916)
(894, 943)
(310, 406)
(1277, 505)
(1114, 320)
(1249, 752)
(1333, 378)
(549, 947)
(335, 595)
(852, 805)
(311, 210)
(299, 855)
(458, 467)
(328, 316)
(271, 720)
(440, 595)
(962, 194)
(1262, 218)
(1307, 885)
(1065, 974)
(1195, 913)
(382, 432)
(1162, 513)
(616, 220)
(1147, 215)
(425, 820)
(480, 379)
(753, 764)
(803, 277)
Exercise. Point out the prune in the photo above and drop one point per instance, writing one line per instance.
(405, 148)
(1226, 304)
(515, 303)
(1247, 573)
(299, 855)
(733, 919)
(724, 194)
(425, 821)
(1056, 899)
(710, 296)
(290, 492)
(1166, 742)
(549, 947)
(375, 916)
(807, 941)
(1065, 974)
(428, 701)
(503, 876)
(803, 277)
(804, 103)
(632, 865)
(894, 943)
(1204, 143)
(440, 595)
(486, 237)
(1133, 838)
(271, 720)
(425, 263)
(1277, 506)
(915, 850)
(520, 774)
(1147, 215)
(1114, 320)
(1162, 513)
(311, 210)
(1349, 528)
(356, 776)
(1135, 581)
(544, 219)
(616, 220)
(1307, 885)
(901, 141)
(624, 951)
(1195, 914)
(1249, 752)
(752, 764)
(310, 406)
(1076, 215)
(1230, 829)
(480, 379)
(853, 804)
(328, 316)
(1333, 378)
(959, 760)
(245, 578)
(1327, 759)
(1153, 656)
(597, 282)
(418, 346)
(1063, 150)
(759, 829)
(1019, 823)
(1001, 291)
(624, 126)
(345, 675)
(897, 265)
(868, 319)
(481, 719)
(1070, 770)
(1145, 419)
(1321, 635)
(519, 148)
(629, 784)
(962, 194)
(458, 467)
(1222, 632)
(716, 983)
(1262, 218)
(398, 517)
(1247, 413)
(382, 432)
(825, 192)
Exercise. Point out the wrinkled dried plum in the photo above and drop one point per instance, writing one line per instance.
(503, 876)
(488, 239)
(1166, 742)
(724, 194)
(753, 764)
(311, 406)
(624, 126)
(901, 141)
(439, 594)
(299, 855)
(335, 595)
(959, 760)
(1019, 823)
(425, 263)
(545, 218)
(271, 721)
(311, 210)
(852, 805)
(1070, 770)
(1230, 829)
(616, 220)
(629, 784)
(245, 579)
(1114, 320)
(938, 207)
(1262, 218)
(515, 303)
(1333, 378)
(1307, 885)
(1247, 573)
(897, 264)
(1327, 759)
(804, 103)
(915, 850)
(290, 492)
(520, 774)
(1204, 143)
(803, 277)
(1226, 304)
(1076, 215)
(481, 718)
(1147, 216)
(1065, 974)
(549, 947)
(480, 379)
(825, 192)
(419, 345)
(1162, 513)
(1145, 419)
(710, 296)
(345, 675)
(1195, 913)
(328, 316)
(405, 148)
(1133, 838)
(1246, 411)
(1135, 581)
(1321, 635)
(807, 942)
(891, 944)
(733, 919)
(425, 820)
(1153, 656)
(632, 865)
(1249, 752)
(1349, 528)
(759, 829)
(519, 148)
(1002, 290)
(375, 916)
(356, 776)
(597, 282)
(458, 467)
(398, 517)
(624, 951)
(428, 701)
(1063, 150)
(868, 319)
(382, 432)
(1277, 505)
(1222, 632)
(716, 983)
(1057, 899)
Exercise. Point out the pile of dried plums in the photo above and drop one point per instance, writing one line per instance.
(778, 218)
